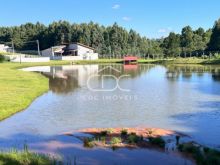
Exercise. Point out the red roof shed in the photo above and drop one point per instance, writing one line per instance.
(130, 58)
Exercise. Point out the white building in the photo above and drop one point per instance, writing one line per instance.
(3, 48)
(74, 51)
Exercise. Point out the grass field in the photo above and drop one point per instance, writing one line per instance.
(18, 88)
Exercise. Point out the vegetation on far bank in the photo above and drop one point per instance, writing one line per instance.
(192, 60)
(113, 41)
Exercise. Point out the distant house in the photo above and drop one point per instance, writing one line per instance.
(3, 48)
(74, 51)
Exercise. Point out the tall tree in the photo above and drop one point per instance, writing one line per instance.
(171, 45)
(187, 43)
(214, 44)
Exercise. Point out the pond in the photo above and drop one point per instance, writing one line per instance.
(181, 98)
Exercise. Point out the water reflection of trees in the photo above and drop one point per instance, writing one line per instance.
(65, 81)
(117, 70)
(177, 71)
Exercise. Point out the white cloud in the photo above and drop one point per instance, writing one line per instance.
(116, 6)
(126, 18)
(165, 30)
(162, 31)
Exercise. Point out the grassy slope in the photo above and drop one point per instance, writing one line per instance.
(18, 88)
(24, 158)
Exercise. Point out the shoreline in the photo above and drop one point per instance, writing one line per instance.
(147, 138)
(13, 69)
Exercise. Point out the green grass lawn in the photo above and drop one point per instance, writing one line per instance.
(18, 88)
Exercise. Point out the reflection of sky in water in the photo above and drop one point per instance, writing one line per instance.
(185, 99)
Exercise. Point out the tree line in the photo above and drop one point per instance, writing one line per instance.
(113, 41)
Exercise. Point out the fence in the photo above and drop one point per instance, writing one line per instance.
(27, 58)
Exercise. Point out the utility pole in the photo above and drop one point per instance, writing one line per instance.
(38, 47)
(13, 48)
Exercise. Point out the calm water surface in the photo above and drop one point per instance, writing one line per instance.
(181, 98)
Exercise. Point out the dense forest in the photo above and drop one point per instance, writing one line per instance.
(113, 41)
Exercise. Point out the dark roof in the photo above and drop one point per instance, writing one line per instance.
(77, 43)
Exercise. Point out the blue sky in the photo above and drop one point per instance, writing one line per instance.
(151, 18)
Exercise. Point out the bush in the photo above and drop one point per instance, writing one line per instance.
(2, 58)
(216, 55)
(205, 56)
(157, 141)
(103, 133)
(88, 143)
(103, 139)
(132, 138)
(110, 131)
(106, 132)
(124, 132)
(206, 156)
(188, 148)
(115, 140)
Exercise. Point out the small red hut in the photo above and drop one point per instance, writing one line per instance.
(130, 59)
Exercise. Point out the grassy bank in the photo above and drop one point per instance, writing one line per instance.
(181, 61)
(192, 60)
(24, 158)
(18, 88)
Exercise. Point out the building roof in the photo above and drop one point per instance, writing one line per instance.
(130, 58)
(62, 46)
(77, 43)
(86, 46)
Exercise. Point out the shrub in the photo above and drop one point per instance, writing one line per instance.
(132, 138)
(115, 140)
(206, 149)
(106, 132)
(205, 56)
(206, 156)
(216, 55)
(88, 143)
(110, 131)
(124, 132)
(103, 139)
(103, 133)
(2, 58)
(157, 141)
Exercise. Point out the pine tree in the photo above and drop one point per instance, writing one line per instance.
(214, 44)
